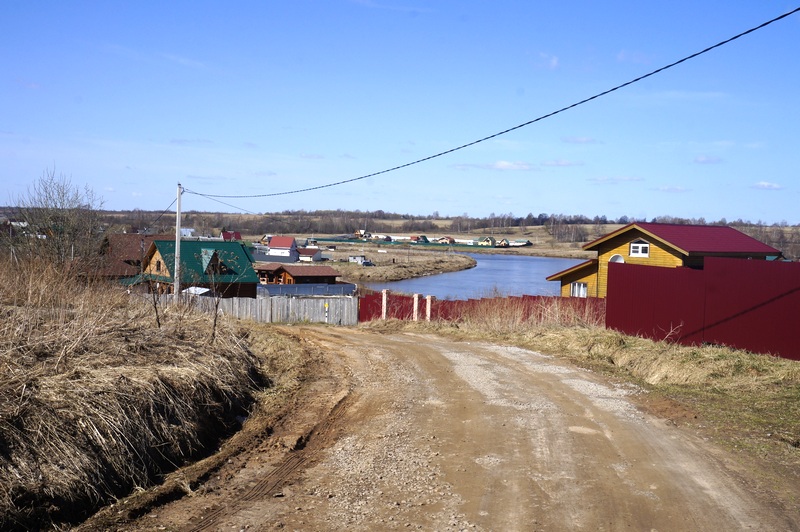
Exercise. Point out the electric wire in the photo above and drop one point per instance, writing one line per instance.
(514, 128)
(213, 198)
(154, 222)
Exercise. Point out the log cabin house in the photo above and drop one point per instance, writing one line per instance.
(223, 267)
(661, 245)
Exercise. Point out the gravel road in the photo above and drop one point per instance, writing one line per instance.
(409, 431)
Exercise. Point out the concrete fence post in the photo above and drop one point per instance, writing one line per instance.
(416, 307)
(428, 305)
(384, 303)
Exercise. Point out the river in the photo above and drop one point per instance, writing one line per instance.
(506, 275)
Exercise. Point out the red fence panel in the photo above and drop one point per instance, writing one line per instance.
(369, 306)
(746, 304)
(754, 305)
(656, 303)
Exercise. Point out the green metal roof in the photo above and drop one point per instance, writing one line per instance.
(199, 256)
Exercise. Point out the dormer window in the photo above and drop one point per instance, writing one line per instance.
(640, 248)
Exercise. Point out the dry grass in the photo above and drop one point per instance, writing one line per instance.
(95, 400)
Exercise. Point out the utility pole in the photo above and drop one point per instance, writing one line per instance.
(177, 280)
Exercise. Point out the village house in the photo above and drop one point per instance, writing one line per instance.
(487, 241)
(277, 273)
(309, 254)
(225, 268)
(283, 249)
(661, 245)
(122, 254)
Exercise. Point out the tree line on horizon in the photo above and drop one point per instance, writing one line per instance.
(53, 206)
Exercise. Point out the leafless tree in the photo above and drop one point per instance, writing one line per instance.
(58, 222)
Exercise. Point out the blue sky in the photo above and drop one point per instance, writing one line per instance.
(249, 98)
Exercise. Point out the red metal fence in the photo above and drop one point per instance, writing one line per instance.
(746, 304)
(518, 308)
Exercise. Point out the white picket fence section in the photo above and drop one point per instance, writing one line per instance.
(334, 310)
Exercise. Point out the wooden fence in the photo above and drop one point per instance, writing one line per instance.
(340, 310)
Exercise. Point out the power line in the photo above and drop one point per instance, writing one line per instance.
(186, 190)
(505, 131)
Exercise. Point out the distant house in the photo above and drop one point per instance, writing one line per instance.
(187, 232)
(223, 267)
(285, 247)
(419, 239)
(358, 259)
(228, 236)
(445, 240)
(502, 243)
(662, 245)
(487, 241)
(309, 254)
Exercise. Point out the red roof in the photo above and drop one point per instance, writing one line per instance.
(696, 239)
(282, 242)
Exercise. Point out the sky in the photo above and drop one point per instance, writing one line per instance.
(260, 98)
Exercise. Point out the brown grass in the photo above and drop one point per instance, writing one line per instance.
(95, 400)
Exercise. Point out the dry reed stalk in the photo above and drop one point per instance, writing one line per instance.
(94, 400)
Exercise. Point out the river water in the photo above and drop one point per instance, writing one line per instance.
(506, 275)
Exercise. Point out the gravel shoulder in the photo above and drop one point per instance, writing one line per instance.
(407, 430)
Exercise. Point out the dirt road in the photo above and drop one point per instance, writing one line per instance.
(408, 431)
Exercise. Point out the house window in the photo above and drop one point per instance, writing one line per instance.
(640, 248)
(578, 290)
(158, 265)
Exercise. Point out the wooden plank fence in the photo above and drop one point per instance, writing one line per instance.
(339, 310)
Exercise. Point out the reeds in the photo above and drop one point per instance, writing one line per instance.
(95, 400)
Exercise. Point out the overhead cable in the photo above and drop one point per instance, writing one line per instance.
(505, 131)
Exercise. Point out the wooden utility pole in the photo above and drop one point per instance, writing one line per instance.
(177, 280)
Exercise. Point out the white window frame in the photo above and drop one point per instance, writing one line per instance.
(578, 289)
(640, 248)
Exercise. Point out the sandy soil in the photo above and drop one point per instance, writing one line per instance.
(409, 431)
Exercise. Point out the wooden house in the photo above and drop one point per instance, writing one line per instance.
(487, 241)
(122, 254)
(223, 267)
(661, 245)
(277, 273)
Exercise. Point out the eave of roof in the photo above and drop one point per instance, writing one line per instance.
(577, 267)
(694, 239)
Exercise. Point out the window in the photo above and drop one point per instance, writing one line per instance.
(577, 290)
(640, 248)
(158, 265)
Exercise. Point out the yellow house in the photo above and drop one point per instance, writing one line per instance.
(662, 245)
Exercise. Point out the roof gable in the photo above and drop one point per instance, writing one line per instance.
(206, 261)
(694, 239)
(282, 242)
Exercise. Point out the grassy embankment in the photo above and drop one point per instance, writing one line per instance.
(98, 401)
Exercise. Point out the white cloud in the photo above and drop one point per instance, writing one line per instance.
(548, 60)
(766, 185)
(627, 56)
(580, 140)
(183, 61)
(707, 159)
(498, 165)
(562, 163)
(613, 180)
(672, 189)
